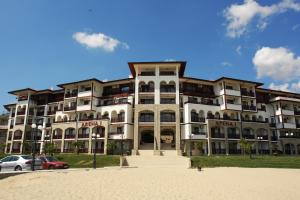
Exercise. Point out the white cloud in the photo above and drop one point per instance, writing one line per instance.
(277, 63)
(281, 87)
(226, 64)
(98, 40)
(239, 16)
(238, 50)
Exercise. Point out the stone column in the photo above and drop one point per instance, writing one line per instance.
(156, 131)
(62, 141)
(136, 133)
(105, 138)
(209, 150)
(179, 152)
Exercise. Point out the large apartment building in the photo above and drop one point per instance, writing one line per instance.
(157, 109)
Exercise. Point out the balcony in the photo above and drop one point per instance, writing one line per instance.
(71, 95)
(220, 118)
(21, 112)
(84, 107)
(249, 136)
(17, 137)
(147, 101)
(217, 135)
(118, 119)
(72, 108)
(102, 135)
(262, 108)
(146, 89)
(249, 107)
(255, 120)
(70, 136)
(287, 112)
(118, 91)
(232, 106)
(57, 137)
(20, 123)
(231, 92)
(248, 94)
(85, 93)
(197, 119)
(150, 73)
(167, 101)
(51, 112)
(210, 103)
(289, 125)
(297, 112)
(83, 136)
(234, 136)
(146, 118)
(110, 103)
(167, 73)
(167, 89)
(65, 121)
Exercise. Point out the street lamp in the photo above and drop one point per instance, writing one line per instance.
(95, 137)
(260, 138)
(34, 128)
(287, 134)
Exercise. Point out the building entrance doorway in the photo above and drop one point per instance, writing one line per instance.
(167, 139)
(147, 139)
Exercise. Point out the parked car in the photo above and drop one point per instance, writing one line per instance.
(18, 163)
(50, 162)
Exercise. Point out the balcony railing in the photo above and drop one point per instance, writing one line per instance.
(83, 135)
(297, 112)
(217, 135)
(254, 120)
(118, 119)
(64, 121)
(17, 137)
(71, 136)
(167, 89)
(167, 73)
(147, 74)
(197, 119)
(246, 93)
(83, 150)
(167, 119)
(70, 95)
(22, 112)
(211, 103)
(59, 136)
(70, 108)
(146, 119)
(110, 103)
(199, 133)
(19, 123)
(220, 118)
(247, 107)
(248, 136)
(116, 133)
(234, 136)
(146, 89)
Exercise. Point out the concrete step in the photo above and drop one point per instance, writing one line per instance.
(158, 161)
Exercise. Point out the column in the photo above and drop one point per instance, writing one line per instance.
(136, 133)
(156, 131)
(209, 150)
(90, 141)
(179, 152)
(105, 138)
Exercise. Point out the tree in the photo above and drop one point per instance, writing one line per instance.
(199, 146)
(246, 147)
(78, 145)
(27, 147)
(111, 146)
(49, 148)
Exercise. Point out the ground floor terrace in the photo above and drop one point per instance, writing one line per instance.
(150, 183)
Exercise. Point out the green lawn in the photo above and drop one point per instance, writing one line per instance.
(245, 161)
(86, 161)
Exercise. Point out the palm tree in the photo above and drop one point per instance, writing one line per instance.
(78, 145)
(246, 146)
(49, 148)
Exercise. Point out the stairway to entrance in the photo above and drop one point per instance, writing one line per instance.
(168, 158)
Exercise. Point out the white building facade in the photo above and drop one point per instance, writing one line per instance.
(157, 109)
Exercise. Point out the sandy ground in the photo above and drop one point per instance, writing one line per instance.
(155, 183)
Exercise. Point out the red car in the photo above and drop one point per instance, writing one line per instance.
(50, 162)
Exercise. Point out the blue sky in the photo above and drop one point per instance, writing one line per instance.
(44, 43)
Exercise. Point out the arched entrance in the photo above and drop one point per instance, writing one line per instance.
(147, 139)
(167, 139)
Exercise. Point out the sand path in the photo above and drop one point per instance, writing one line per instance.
(155, 183)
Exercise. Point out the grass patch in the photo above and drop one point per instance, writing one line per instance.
(245, 161)
(86, 161)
